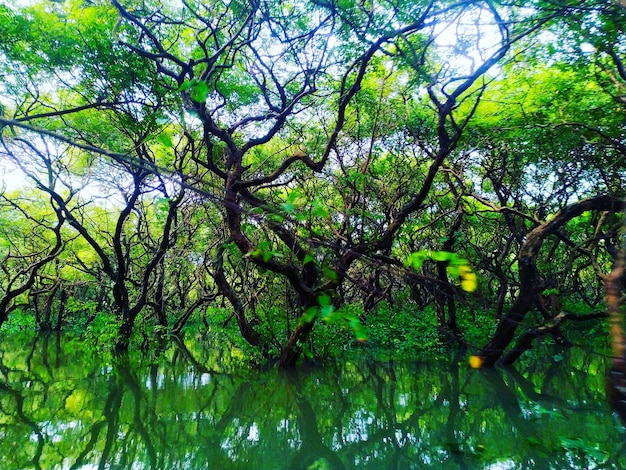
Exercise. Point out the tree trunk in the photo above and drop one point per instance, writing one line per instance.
(125, 330)
(444, 295)
(530, 280)
(292, 351)
(245, 328)
(62, 304)
(159, 301)
(529, 284)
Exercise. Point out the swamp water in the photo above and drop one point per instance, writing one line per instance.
(63, 407)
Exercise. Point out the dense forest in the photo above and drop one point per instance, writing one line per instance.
(302, 177)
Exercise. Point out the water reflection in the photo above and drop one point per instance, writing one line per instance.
(63, 407)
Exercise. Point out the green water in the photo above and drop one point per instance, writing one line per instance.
(62, 406)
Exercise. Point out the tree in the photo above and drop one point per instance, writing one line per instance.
(570, 110)
(531, 282)
(332, 148)
(29, 244)
(272, 101)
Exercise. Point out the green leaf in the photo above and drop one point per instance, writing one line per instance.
(326, 311)
(441, 256)
(533, 441)
(330, 273)
(186, 85)
(360, 334)
(277, 218)
(200, 92)
(319, 209)
(288, 206)
(309, 314)
(323, 300)
(415, 260)
(457, 267)
(165, 139)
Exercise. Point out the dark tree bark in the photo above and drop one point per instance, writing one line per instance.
(247, 331)
(524, 342)
(530, 280)
(13, 287)
(63, 298)
(444, 294)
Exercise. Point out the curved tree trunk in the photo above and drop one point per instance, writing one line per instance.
(293, 349)
(530, 280)
(245, 328)
(444, 295)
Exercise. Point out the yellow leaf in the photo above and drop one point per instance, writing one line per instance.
(468, 279)
(475, 362)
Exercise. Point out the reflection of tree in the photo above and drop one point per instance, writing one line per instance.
(416, 411)
(140, 420)
(21, 418)
(312, 450)
(505, 398)
(81, 411)
(452, 389)
(111, 422)
(386, 384)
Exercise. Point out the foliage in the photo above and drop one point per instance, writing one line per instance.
(455, 265)
(286, 172)
(102, 332)
(19, 321)
(403, 333)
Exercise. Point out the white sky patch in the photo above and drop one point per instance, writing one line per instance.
(467, 42)
(11, 178)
